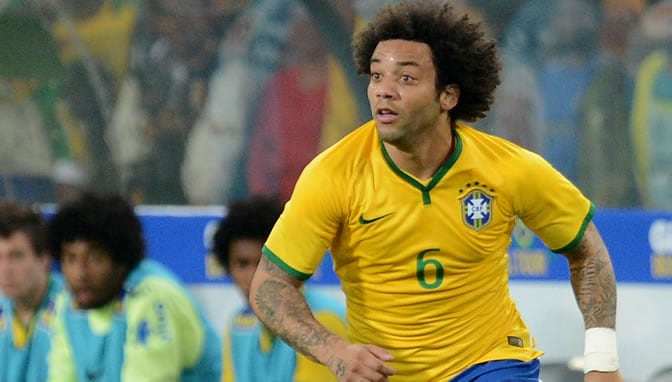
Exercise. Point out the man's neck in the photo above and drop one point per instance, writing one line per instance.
(424, 158)
(25, 308)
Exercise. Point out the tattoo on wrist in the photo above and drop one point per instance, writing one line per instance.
(337, 366)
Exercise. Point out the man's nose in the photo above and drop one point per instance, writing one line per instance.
(78, 271)
(385, 89)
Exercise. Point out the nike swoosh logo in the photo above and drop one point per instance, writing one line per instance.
(363, 220)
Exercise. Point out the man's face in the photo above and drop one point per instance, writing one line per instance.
(402, 91)
(244, 255)
(91, 274)
(22, 271)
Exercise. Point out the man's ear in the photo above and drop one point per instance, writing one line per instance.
(449, 97)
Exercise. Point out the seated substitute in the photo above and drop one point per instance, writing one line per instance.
(251, 352)
(126, 318)
(29, 289)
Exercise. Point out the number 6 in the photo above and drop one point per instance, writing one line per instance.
(422, 266)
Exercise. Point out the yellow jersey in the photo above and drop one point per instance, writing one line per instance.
(423, 264)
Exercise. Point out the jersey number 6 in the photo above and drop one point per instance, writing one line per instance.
(431, 267)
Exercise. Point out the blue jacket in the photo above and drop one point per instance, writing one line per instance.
(25, 359)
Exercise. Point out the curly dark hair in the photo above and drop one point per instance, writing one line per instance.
(106, 220)
(251, 219)
(19, 218)
(461, 53)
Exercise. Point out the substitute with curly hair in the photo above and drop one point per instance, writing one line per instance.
(126, 318)
(418, 210)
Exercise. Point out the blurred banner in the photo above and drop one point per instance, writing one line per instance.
(640, 244)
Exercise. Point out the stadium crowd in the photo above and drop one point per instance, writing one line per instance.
(206, 101)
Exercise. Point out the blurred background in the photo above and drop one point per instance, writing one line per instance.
(199, 102)
(187, 105)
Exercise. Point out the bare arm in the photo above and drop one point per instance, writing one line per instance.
(593, 280)
(276, 299)
(594, 285)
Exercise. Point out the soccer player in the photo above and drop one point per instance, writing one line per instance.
(29, 289)
(126, 318)
(418, 208)
(248, 344)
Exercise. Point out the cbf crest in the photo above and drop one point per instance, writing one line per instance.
(476, 208)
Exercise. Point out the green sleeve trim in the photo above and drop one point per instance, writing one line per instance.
(574, 243)
(284, 266)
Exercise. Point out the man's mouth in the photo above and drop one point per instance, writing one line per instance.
(386, 115)
(83, 295)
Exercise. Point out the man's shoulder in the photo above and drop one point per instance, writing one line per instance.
(152, 277)
(351, 151)
(359, 141)
(161, 299)
(155, 286)
(484, 144)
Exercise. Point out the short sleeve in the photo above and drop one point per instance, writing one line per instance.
(309, 222)
(551, 206)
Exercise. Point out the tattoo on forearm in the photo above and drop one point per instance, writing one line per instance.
(271, 268)
(312, 336)
(593, 281)
(283, 310)
(268, 298)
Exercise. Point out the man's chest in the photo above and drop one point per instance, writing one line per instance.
(460, 220)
